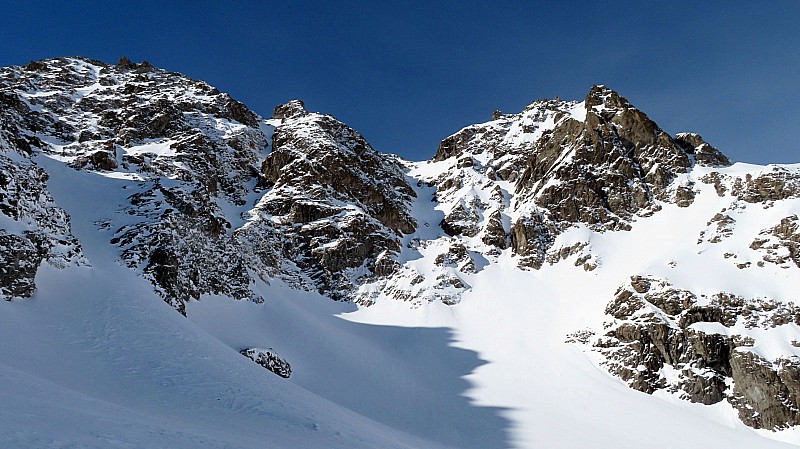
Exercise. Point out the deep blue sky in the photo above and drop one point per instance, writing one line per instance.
(407, 74)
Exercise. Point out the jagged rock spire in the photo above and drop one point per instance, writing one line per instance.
(704, 153)
(293, 108)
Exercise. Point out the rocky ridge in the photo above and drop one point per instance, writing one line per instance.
(520, 180)
(196, 162)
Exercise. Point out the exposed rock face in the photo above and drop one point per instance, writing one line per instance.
(329, 203)
(338, 203)
(269, 360)
(599, 162)
(778, 184)
(294, 108)
(33, 229)
(703, 152)
(621, 161)
(521, 180)
(662, 337)
(719, 228)
(781, 243)
(192, 147)
(182, 245)
(767, 394)
(456, 257)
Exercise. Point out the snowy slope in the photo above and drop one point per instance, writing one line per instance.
(95, 360)
(554, 393)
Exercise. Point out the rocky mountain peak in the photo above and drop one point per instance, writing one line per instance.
(600, 162)
(601, 95)
(126, 64)
(292, 108)
(341, 205)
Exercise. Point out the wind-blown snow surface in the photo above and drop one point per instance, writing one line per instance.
(96, 360)
(94, 364)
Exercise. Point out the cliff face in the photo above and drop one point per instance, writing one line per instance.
(216, 204)
(219, 200)
(339, 204)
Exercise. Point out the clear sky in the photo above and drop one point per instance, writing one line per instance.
(407, 74)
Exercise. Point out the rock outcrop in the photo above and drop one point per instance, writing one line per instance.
(269, 360)
(337, 202)
(33, 229)
(703, 348)
(220, 197)
(780, 244)
(600, 163)
(191, 147)
(704, 153)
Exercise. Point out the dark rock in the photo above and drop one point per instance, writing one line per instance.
(624, 305)
(19, 261)
(239, 112)
(164, 266)
(530, 239)
(454, 145)
(703, 386)
(125, 64)
(704, 153)
(144, 67)
(457, 257)
(716, 179)
(641, 284)
(269, 360)
(103, 160)
(495, 234)
(779, 184)
(36, 66)
(780, 244)
(711, 351)
(292, 109)
(385, 265)
(684, 196)
(461, 220)
(653, 331)
(767, 395)
(353, 201)
(181, 239)
(42, 232)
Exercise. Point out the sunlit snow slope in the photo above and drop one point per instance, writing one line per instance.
(554, 393)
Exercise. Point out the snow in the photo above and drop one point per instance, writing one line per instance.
(239, 215)
(578, 112)
(161, 148)
(517, 321)
(95, 359)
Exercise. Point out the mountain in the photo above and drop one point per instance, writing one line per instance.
(523, 288)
